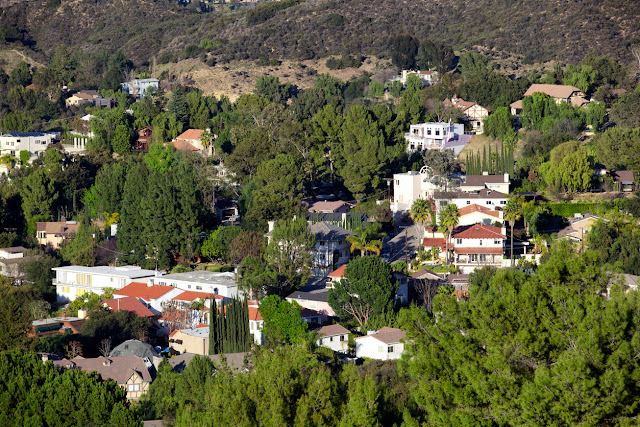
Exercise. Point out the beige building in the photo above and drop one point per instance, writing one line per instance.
(474, 113)
(195, 340)
(560, 93)
(55, 233)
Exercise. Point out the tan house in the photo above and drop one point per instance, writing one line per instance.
(193, 340)
(477, 214)
(560, 93)
(55, 233)
(191, 141)
(474, 113)
(578, 227)
(129, 372)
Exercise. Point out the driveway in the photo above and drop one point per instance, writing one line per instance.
(394, 247)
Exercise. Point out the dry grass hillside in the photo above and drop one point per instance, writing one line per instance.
(239, 77)
(9, 58)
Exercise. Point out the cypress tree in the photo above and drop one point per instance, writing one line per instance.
(484, 159)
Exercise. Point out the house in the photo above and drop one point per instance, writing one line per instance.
(75, 280)
(384, 344)
(153, 296)
(478, 245)
(326, 206)
(55, 233)
(335, 337)
(427, 77)
(226, 210)
(578, 227)
(143, 139)
(335, 276)
(256, 322)
(317, 300)
(206, 282)
(91, 97)
(56, 325)
(488, 198)
(191, 141)
(499, 183)
(411, 186)
(34, 143)
(192, 340)
(624, 181)
(332, 248)
(460, 284)
(129, 372)
(559, 93)
(138, 87)
(130, 304)
(478, 214)
(436, 136)
(346, 220)
(474, 113)
(11, 259)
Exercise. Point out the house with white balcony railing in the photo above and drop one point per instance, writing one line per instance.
(436, 136)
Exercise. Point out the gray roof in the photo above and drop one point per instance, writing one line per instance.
(27, 134)
(329, 232)
(335, 216)
(235, 361)
(475, 180)
(201, 276)
(625, 177)
(134, 348)
(118, 369)
(485, 193)
(128, 271)
(321, 295)
(202, 332)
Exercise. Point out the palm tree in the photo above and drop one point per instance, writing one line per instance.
(421, 212)
(366, 239)
(207, 138)
(512, 213)
(449, 220)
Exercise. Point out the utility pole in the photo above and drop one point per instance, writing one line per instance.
(93, 255)
(406, 257)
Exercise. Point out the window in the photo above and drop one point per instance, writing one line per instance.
(428, 131)
(468, 202)
(437, 132)
(199, 288)
(503, 202)
(215, 291)
(458, 241)
(133, 387)
(480, 242)
(81, 292)
(330, 339)
(489, 202)
(189, 286)
(65, 289)
(397, 182)
(496, 242)
(341, 338)
(483, 258)
(322, 243)
(473, 257)
(390, 349)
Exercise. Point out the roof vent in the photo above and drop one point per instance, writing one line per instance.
(106, 362)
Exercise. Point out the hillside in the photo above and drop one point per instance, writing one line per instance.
(537, 31)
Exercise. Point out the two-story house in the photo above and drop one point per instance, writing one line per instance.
(474, 113)
(478, 214)
(478, 245)
(153, 296)
(335, 337)
(207, 282)
(34, 143)
(332, 248)
(76, 280)
(436, 136)
(559, 93)
(491, 199)
(54, 233)
(138, 87)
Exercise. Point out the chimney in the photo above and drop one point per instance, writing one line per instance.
(63, 219)
(82, 314)
(485, 173)
(45, 357)
(272, 225)
(506, 177)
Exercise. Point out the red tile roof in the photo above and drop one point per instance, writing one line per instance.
(478, 231)
(144, 291)
(184, 146)
(129, 304)
(194, 295)
(472, 208)
(435, 241)
(254, 314)
(339, 272)
(190, 134)
(476, 250)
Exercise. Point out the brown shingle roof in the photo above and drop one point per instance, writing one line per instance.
(66, 228)
(327, 206)
(387, 335)
(623, 176)
(555, 91)
(118, 368)
(336, 329)
(475, 180)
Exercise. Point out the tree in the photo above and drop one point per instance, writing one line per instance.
(512, 213)
(255, 277)
(618, 148)
(569, 169)
(217, 243)
(229, 328)
(160, 401)
(535, 344)
(366, 292)
(289, 254)
(39, 274)
(283, 323)
(498, 125)
(596, 114)
(38, 195)
(247, 243)
(118, 326)
(121, 141)
(403, 51)
(36, 392)
(449, 220)
(626, 112)
(16, 317)
(269, 87)
(435, 55)
(366, 239)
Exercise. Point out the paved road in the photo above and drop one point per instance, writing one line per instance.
(395, 246)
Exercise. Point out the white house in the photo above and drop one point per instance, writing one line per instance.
(151, 295)
(332, 248)
(74, 281)
(436, 136)
(138, 87)
(209, 282)
(256, 322)
(499, 183)
(384, 344)
(411, 186)
(335, 337)
(33, 142)
(427, 77)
